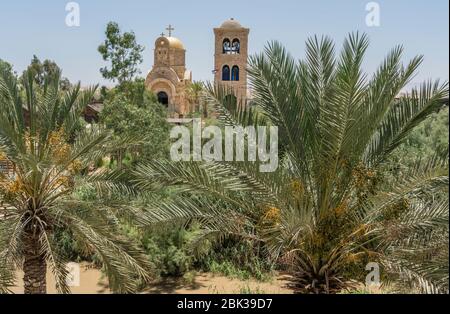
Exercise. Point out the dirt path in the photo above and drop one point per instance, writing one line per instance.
(207, 283)
(93, 282)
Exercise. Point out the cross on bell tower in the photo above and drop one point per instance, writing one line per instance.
(170, 29)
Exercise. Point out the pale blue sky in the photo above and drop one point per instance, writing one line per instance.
(30, 27)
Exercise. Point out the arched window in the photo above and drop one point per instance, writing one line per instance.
(235, 73)
(236, 46)
(225, 73)
(226, 46)
(163, 98)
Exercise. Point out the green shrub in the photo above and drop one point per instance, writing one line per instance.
(167, 250)
(172, 254)
(237, 258)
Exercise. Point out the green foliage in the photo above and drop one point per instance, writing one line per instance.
(48, 152)
(5, 66)
(123, 53)
(172, 253)
(329, 205)
(71, 249)
(195, 91)
(430, 136)
(174, 250)
(363, 175)
(169, 251)
(134, 91)
(42, 70)
(133, 115)
(236, 258)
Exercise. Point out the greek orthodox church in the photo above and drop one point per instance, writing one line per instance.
(169, 78)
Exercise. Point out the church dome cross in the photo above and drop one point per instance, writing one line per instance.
(170, 29)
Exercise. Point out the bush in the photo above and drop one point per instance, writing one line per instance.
(169, 257)
(172, 254)
(167, 250)
(237, 258)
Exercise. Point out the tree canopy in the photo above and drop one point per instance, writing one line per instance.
(132, 112)
(123, 53)
(42, 70)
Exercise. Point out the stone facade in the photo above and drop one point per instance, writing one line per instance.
(231, 55)
(169, 77)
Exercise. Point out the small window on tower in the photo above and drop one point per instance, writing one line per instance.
(225, 73)
(235, 73)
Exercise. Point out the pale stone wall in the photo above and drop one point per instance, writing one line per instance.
(169, 75)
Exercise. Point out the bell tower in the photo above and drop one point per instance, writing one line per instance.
(231, 55)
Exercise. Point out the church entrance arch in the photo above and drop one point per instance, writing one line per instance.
(163, 98)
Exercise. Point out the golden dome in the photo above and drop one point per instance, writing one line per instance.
(231, 24)
(175, 43)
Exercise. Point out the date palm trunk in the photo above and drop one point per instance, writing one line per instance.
(34, 267)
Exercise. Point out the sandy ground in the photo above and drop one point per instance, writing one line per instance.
(211, 284)
(92, 282)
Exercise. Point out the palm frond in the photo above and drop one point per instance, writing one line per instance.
(407, 113)
(125, 264)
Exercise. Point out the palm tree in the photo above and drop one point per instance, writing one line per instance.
(334, 204)
(194, 91)
(47, 150)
